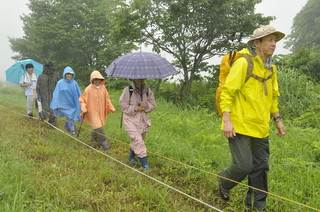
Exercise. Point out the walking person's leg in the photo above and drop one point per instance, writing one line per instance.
(102, 138)
(138, 146)
(240, 147)
(258, 177)
(52, 118)
(70, 125)
(30, 104)
(94, 135)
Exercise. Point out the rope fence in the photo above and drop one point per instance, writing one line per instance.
(169, 159)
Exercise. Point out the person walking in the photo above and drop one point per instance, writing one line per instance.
(65, 101)
(136, 102)
(95, 106)
(46, 84)
(247, 109)
(29, 81)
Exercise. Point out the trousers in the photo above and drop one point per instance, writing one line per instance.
(137, 143)
(30, 104)
(250, 159)
(99, 135)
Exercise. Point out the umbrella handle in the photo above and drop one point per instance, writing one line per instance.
(141, 90)
(121, 120)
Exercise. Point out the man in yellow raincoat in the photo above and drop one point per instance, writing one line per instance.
(95, 105)
(247, 108)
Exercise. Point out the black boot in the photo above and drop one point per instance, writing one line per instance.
(52, 120)
(30, 116)
(41, 117)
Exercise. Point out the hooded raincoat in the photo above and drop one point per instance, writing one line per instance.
(137, 123)
(46, 84)
(249, 107)
(65, 101)
(95, 102)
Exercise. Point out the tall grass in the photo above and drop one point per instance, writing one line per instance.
(298, 93)
(45, 170)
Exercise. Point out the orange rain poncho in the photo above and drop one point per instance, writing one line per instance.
(96, 103)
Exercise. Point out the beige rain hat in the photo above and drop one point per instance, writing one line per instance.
(264, 31)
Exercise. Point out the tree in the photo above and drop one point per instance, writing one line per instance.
(305, 29)
(193, 31)
(306, 60)
(84, 34)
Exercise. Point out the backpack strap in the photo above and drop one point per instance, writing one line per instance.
(130, 90)
(263, 80)
(250, 74)
(250, 66)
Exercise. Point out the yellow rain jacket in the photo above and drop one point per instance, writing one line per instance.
(96, 102)
(249, 106)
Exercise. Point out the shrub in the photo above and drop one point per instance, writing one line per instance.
(297, 91)
(309, 119)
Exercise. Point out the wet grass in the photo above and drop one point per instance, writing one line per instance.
(45, 170)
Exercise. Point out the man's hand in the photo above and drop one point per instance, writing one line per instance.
(228, 128)
(281, 128)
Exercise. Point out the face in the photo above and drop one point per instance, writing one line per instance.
(266, 46)
(30, 70)
(97, 82)
(49, 71)
(69, 76)
(138, 82)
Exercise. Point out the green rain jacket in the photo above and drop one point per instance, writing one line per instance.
(249, 106)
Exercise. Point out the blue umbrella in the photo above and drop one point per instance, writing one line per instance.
(14, 73)
(140, 65)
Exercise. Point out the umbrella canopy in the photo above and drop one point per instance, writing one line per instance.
(14, 73)
(140, 65)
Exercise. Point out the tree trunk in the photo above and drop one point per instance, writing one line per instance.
(186, 85)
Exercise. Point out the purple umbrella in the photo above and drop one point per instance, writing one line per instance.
(140, 65)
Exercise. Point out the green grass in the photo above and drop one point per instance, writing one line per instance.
(45, 170)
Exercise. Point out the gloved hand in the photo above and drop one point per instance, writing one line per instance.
(39, 97)
(140, 109)
(143, 105)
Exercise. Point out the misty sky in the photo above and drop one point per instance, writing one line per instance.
(11, 24)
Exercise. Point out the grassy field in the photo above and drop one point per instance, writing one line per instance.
(44, 169)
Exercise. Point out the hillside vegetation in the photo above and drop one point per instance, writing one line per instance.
(44, 169)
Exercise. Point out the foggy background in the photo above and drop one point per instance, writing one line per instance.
(11, 25)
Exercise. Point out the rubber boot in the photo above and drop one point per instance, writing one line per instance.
(52, 120)
(144, 164)
(101, 138)
(70, 126)
(131, 156)
(41, 117)
(30, 116)
(73, 131)
(94, 136)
